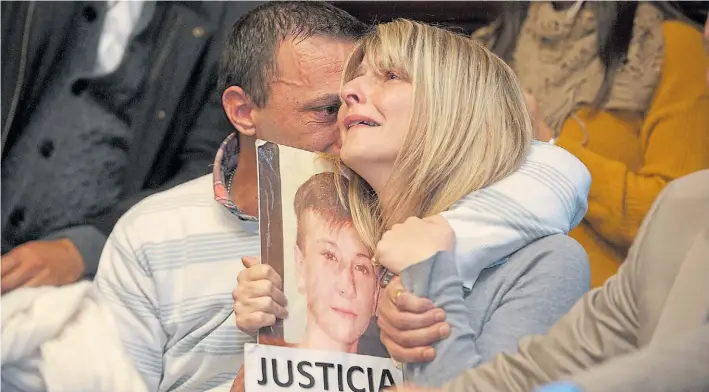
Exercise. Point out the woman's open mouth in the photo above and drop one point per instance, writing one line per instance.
(355, 120)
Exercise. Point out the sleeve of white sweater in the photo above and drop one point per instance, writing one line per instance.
(126, 282)
(547, 195)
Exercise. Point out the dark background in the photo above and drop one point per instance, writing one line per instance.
(463, 16)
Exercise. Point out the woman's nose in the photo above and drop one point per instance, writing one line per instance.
(352, 93)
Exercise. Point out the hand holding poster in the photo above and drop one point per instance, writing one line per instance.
(329, 342)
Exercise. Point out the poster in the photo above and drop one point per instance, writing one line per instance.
(329, 342)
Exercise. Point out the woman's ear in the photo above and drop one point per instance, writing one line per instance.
(239, 110)
(299, 268)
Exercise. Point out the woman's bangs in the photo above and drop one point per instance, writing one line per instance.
(388, 51)
(353, 62)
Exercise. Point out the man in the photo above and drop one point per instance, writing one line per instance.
(103, 104)
(333, 268)
(646, 329)
(170, 264)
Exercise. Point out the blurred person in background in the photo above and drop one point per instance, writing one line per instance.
(103, 104)
(614, 83)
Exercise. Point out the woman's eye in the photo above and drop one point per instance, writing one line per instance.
(329, 256)
(391, 75)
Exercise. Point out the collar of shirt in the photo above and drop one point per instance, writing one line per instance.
(224, 166)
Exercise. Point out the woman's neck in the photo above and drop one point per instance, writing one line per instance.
(316, 339)
(377, 177)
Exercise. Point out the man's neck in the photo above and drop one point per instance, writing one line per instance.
(244, 188)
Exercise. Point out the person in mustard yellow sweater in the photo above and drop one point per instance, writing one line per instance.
(618, 85)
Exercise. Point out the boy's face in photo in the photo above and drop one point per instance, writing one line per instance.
(337, 277)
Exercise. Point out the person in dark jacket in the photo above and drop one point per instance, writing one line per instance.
(103, 104)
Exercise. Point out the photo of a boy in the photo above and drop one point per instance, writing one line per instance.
(333, 268)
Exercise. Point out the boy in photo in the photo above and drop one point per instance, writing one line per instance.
(334, 268)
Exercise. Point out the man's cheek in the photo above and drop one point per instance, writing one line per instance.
(324, 140)
(334, 149)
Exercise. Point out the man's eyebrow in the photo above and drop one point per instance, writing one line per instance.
(322, 101)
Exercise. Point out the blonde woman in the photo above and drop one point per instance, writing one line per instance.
(434, 126)
(431, 117)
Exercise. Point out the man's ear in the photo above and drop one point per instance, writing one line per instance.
(299, 268)
(239, 110)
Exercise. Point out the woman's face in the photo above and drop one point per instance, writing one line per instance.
(373, 122)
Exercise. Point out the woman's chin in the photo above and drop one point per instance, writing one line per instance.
(348, 155)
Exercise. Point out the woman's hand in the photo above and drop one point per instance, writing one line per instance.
(258, 297)
(414, 241)
(542, 130)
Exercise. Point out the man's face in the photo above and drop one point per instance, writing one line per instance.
(304, 99)
(337, 277)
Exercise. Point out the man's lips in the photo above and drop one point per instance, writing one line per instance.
(344, 312)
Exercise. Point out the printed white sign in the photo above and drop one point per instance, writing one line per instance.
(273, 368)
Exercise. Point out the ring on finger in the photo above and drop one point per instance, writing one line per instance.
(397, 294)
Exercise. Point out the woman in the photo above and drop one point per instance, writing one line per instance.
(616, 85)
(432, 122)
(430, 117)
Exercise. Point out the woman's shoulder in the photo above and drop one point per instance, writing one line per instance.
(539, 282)
(555, 262)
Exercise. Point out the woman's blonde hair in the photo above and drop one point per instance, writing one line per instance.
(470, 126)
